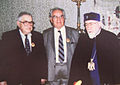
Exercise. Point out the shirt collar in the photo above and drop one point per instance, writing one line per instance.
(29, 34)
(62, 29)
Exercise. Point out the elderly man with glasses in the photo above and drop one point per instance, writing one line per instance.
(25, 61)
(60, 42)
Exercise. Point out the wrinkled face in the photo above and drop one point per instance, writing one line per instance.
(25, 24)
(57, 19)
(92, 27)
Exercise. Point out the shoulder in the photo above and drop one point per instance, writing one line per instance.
(71, 28)
(107, 34)
(47, 30)
(107, 37)
(37, 35)
(11, 33)
(72, 31)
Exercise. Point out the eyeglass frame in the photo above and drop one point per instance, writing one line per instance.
(26, 22)
(56, 17)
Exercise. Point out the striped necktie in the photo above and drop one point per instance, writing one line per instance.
(95, 74)
(61, 49)
(27, 45)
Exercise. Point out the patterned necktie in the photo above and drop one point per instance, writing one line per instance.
(61, 49)
(27, 45)
(95, 74)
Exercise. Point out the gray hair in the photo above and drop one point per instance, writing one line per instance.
(23, 13)
(56, 8)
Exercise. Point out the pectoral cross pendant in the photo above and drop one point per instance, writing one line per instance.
(91, 65)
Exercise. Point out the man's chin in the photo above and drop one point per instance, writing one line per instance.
(27, 32)
(91, 36)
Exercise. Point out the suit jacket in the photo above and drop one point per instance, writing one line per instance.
(20, 68)
(107, 57)
(48, 34)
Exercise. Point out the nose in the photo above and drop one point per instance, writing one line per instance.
(88, 28)
(58, 19)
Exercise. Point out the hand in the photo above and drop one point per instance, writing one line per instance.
(78, 82)
(3, 83)
(43, 81)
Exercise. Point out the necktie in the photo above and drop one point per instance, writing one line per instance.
(27, 45)
(95, 74)
(61, 49)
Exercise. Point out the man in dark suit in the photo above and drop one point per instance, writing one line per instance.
(25, 61)
(103, 61)
(58, 69)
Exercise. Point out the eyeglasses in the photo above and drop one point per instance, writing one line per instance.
(27, 22)
(55, 17)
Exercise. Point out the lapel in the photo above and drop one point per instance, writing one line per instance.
(69, 37)
(34, 41)
(51, 39)
(68, 34)
(19, 41)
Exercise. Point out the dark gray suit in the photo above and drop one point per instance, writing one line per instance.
(48, 34)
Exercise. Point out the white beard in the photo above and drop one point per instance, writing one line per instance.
(91, 35)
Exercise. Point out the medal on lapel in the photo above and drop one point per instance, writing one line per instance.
(67, 40)
(91, 65)
(33, 44)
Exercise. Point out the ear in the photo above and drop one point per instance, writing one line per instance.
(18, 23)
(51, 20)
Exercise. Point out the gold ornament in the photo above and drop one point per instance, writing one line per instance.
(79, 82)
(91, 65)
(33, 44)
(67, 40)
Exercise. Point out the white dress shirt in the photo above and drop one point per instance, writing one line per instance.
(23, 39)
(56, 39)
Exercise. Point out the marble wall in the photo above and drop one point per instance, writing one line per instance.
(9, 10)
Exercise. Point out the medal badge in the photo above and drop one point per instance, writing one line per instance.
(33, 44)
(91, 65)
(67, 40)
